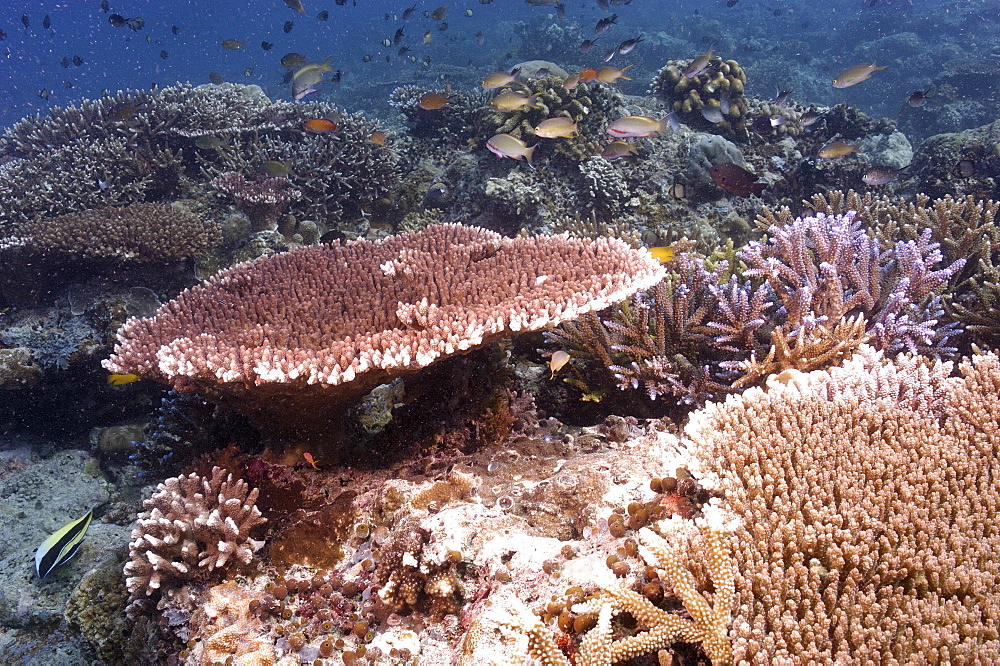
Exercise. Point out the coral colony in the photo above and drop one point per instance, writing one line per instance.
(537, 369)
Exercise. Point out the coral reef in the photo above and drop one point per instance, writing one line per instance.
(137, 232)
(262, 201)
(293, 338)
(858, 538)
(720, 86)
(192, 528)
(53, 339)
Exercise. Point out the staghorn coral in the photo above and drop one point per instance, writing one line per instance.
(292, 339)
(965, 229)
(262, 201)
(191, 528)
(138, 233)
(709, 623)
(866, 512)
(823, 269)
(675, 339)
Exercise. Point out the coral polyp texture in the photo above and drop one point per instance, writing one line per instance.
(192, 527)
(867, 508)
(295, 334)
(140, 232)
(261, 201)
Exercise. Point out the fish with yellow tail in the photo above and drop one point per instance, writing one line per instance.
(120, 380)
(617, 149)
(609, 74)
(507, 145)
(307, 77)
(555, 128)
(700, 64)
(500, 79)
(638, 126)
(557, 361)
(855, 75)
(512, 101)
(838, 149)
(61, 545)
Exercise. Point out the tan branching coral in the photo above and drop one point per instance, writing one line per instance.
(297, 335)
(708, 624)
(192, 526)
(140, 232)
(867, 503)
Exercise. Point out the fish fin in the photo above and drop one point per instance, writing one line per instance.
(875, 69)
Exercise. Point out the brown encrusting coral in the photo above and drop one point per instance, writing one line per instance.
(867, 504)
(261, 201)
(191, 528)
(293, 338)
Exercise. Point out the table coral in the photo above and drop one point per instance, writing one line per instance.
(296, 337)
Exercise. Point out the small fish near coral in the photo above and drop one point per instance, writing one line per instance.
(855, 75)
(121, 380)
(557, 361)
(507, 145)
(60, 546)
(737, 180)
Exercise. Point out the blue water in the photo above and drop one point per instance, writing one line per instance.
(797, 45)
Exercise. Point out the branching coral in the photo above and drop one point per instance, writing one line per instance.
(675, 339)
(709, 623)
(261, 201)
(191, 528)
(824, 269)
(965, 228)
(134, 233)
(866, 502)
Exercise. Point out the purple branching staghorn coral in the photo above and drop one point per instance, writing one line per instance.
(816, 289)
(827, 268)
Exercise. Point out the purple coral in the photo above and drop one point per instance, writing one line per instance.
(825, 268)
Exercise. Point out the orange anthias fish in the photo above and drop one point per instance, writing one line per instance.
(378, 137)
(734, 178)
(433, 101)
(587, 75)
(319, 126)
(609, 74)
(854, 75)
(309, 459)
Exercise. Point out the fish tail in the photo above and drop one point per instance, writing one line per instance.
(529, 154)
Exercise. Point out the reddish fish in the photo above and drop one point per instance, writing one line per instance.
(734, 178)
(319, 126)
(309, 459)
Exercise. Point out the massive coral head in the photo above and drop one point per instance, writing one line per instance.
(292, 340)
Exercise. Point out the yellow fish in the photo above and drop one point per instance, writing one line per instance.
(557, 361)
(609, 74)
(554, 128)
(61, 545)
(663, 253)
(511, 101)
(838, 149)
(118, 380)
(499, 79)
(856, 74)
